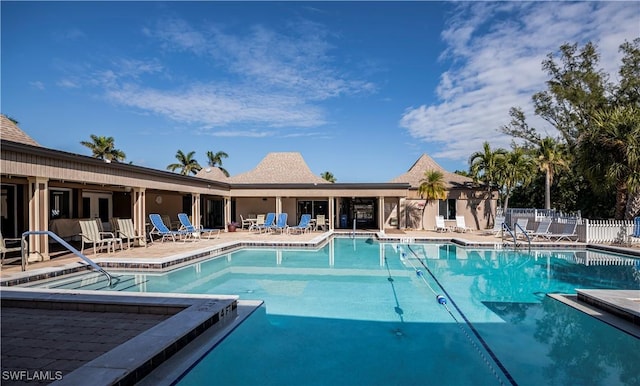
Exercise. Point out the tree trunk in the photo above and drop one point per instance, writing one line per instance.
(490, 216)
(621, 201)
(506, 203)
(547, 190)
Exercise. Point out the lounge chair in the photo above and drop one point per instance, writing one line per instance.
(166, 219)
(9, 245)
(542, 230)
(269, 221)
(258, 223)
(91, 234)
(185, 225)
(568, 232)
(461, 226)
(245, 221)
(440, 225)
(523, 222)
(497, 227)
(636, 227)
(162, 230)
(126, 231)
(113, 221)
(303, 226)
(281, 223)
(321, 221)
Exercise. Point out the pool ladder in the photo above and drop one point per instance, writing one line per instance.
(513, 234)
(64, 244)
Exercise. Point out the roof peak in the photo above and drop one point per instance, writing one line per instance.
(11, 132)
(279, 167)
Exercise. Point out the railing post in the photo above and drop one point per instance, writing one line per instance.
(587, 236)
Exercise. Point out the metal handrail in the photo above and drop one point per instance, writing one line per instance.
(505, 227)
(64, 244)
(524, 232)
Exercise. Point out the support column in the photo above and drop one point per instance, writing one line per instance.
(38, 218)
(139, 211)
(398, 212)
(278, 205)
(227, 212)
(332, 213)
(195, 210)
(381, 213)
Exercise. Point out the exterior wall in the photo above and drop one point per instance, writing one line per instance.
(392, 213)
(250, 207)
(474, 209)
(417, 218)
(290, 206)
(171, 205)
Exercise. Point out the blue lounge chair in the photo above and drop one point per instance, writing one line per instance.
(185, 225)
(269, 221)
(281, 223)
(161, 229)
(636, 227)
(303, 226)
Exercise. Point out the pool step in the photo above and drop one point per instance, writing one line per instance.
(98, 282)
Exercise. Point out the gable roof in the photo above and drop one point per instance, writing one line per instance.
(416, 173)
(212, 173)
(279, 168)
(9, 131)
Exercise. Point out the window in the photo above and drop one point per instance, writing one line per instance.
(447, 208)
(60, 203)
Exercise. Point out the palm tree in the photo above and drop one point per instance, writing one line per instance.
(215, 160)
(431, 188)
(328, 176)
(515, 169)
(485, 167)
(104, 148)
(615, 138)
(186, 163)
(550, 157)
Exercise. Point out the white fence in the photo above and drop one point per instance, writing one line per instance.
(588, 231)
(606, 231)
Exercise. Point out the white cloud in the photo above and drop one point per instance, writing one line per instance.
(273, 79)
(496, 51)
(214, 106)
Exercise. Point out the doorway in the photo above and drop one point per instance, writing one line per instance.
(97, 205)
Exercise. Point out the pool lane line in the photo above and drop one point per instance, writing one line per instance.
(397, 308)
(468, 322)
(443, 301)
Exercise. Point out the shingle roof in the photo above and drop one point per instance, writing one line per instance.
(9, 131)
(279, 168)
(416, 173)
(212, 173)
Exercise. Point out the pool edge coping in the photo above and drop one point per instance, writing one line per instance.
(191, 317)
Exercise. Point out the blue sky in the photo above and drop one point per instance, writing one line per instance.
(361, 89)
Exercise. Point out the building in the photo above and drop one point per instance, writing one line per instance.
(47, 189)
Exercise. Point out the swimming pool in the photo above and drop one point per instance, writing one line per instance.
(362, 312)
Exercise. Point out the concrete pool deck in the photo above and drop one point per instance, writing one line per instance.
(162, 324)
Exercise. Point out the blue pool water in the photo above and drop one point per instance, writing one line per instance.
(357, 312)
